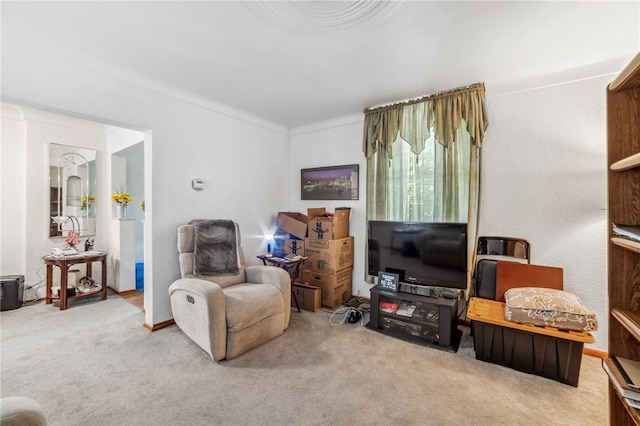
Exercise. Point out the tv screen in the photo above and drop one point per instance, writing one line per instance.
(432, 254)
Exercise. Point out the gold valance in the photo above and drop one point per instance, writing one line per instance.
(413, 119)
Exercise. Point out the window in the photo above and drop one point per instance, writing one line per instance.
(416, 183)
(423, 159)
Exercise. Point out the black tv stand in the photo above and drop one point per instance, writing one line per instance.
(424, 320)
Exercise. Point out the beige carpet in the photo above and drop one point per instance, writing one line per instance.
(95, 364)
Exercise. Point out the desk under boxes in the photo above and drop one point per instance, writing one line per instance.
(327, 247)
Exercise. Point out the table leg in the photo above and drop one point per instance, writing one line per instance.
(295, 298)
(64, 269)
(104, 278)
(49, 282)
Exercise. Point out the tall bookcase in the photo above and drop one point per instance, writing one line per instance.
(623, 134)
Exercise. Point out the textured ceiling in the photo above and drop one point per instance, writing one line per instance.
(297, 64)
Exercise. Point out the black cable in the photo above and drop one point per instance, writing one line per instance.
(357, 306)
(38, 273)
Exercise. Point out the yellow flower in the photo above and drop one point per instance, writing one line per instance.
(87, 200)
(121, 198)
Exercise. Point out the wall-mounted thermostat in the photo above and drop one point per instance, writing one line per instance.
(197, 184)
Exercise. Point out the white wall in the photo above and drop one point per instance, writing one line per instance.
(543, 179)
(333, 143)
(13, 203)
(135, 184)
(240, 158)
(26, 167)
(544, 175)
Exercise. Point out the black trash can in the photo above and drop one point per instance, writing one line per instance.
(11, 291)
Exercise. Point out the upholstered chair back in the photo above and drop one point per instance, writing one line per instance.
(186, 246)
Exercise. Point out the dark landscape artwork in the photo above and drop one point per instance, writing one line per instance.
(330, 183)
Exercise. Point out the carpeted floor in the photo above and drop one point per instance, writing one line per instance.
(95, 364)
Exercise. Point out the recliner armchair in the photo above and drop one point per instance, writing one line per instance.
(21, 411)
(227, 314)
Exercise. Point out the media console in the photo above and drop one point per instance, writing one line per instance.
(424, 320)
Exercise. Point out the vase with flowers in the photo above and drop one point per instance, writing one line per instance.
(72, 240)
(122, 199)
(87, 204)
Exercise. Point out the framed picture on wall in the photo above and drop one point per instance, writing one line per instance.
(329, 183)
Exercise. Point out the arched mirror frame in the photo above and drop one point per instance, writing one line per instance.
(72, 186)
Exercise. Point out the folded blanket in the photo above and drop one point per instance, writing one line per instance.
(216, 248)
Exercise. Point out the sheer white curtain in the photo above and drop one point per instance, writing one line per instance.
(433, 186)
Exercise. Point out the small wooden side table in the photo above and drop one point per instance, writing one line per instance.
(64, 263)
(291, 266)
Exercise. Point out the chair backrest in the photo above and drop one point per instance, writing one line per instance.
(494, 277)
(513, 274)
(485, 279)
(504, 248)
(490, 251)
(186, 246)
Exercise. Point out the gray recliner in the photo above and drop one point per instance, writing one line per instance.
(228, 314)
(21, 411)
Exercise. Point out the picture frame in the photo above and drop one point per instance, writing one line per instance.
(388, 280)
(330, 183)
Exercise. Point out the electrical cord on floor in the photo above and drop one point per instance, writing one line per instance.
(353, 312)
(34, 286)
(462, 309)
(345, 312)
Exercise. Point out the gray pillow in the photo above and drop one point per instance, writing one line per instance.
(548, 307)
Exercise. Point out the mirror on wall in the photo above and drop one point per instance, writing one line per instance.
(72, 183)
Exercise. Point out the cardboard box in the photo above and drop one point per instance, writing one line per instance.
(328, 256)
(308, 297)
(336, 288)
(328, 226)
(292, 223)
(284, 246)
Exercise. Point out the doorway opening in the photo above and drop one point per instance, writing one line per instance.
(127, 236)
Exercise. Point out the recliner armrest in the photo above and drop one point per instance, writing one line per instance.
(21, 410)
(269, 275)
(190, 296)
(277, 277)
(200, 287)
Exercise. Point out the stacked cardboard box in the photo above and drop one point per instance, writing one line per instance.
(328, 226)
(328, 256)
(290, 234)
(329, 253)
(336, 288)
(308, 297)
(290, 238)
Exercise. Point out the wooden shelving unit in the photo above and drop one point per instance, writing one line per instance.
(623, 151)
(626, 163)
(628, 244)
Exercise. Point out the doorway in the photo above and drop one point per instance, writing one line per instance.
(127, 175)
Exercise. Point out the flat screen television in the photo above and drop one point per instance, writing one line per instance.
(424, 253)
